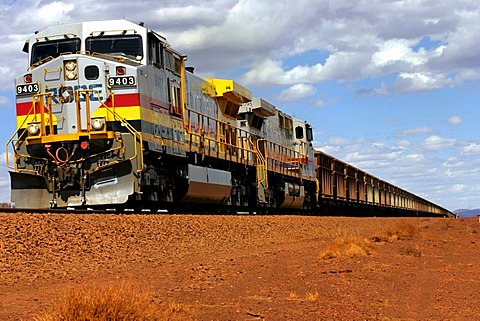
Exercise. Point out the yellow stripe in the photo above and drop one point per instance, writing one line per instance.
(33, 118)
(68, 137)
(127, 113)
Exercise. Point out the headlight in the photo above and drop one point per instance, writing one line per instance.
(98, 123)
(70, 67)
(33, 129)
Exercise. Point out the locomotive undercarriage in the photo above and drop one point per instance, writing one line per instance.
(76, 172)
(167, 183)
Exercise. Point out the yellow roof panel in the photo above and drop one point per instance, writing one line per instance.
(229, 88)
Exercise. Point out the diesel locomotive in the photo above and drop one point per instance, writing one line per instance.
(109, 115)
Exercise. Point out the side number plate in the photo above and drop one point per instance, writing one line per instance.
(122, 81)
(28, 89)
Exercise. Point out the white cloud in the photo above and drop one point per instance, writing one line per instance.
(4, 102)
(463, 45)
(436, 143)
(50, 12)
(415, 158)
(404, 143)
(206, 15)
(3, 158)
(27, 16)
(456, 188)
(396, 51)
(342, 66)
(455, 120)
(360, 38)
(4, 180)
(297, 92)
(467, 75)
(5, 70)
(264, 73)
(472, 148)
(270, 72)
(421, 81)
(413, 131)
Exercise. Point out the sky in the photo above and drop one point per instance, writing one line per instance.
(391, 87)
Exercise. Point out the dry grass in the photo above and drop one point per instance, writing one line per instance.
(446, 224)
(350, 245)
(402, 231)
(471, 229)
(293, 296)
(346, 246)
(123, 303)
(311, 297)
(411, 251)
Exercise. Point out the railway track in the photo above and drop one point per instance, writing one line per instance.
(368, 212)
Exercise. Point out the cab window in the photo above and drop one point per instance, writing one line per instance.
(53, 48)
(127, 45)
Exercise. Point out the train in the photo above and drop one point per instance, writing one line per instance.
(109, 115)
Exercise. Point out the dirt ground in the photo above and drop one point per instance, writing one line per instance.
(248, 267)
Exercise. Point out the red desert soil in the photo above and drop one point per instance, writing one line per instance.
(248, 267)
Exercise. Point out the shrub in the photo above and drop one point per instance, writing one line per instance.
(445, 225)
(471, 230)
(110, 304)
(312, 297)
(402, 231)
(412, 251)
(346, 246)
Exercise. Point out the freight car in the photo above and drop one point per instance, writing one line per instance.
(109, 115)
(346, 190)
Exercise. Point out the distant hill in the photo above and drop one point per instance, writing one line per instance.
(467, 213)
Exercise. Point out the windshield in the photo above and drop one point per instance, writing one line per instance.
(54, 48)
(127, 45)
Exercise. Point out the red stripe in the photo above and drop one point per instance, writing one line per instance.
(24, 108)
(121, 100)
(124, 100)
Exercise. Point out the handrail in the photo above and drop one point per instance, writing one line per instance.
(263, 161)
(183, 90)
(262, 166)
(33, 110)
(127, 125)
(280, 153)
(199, 132)
(38, 102)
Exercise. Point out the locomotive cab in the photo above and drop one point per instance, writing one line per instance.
(74, 143)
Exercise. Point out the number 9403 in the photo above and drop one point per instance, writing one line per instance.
(124, 81)
(28, 89)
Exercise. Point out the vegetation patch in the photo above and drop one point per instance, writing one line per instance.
(122, 303)
(471, 229)
(309, 296)
(411, 251)
(312, 297)
(405, 231)
(346, 246)
(351, 245)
